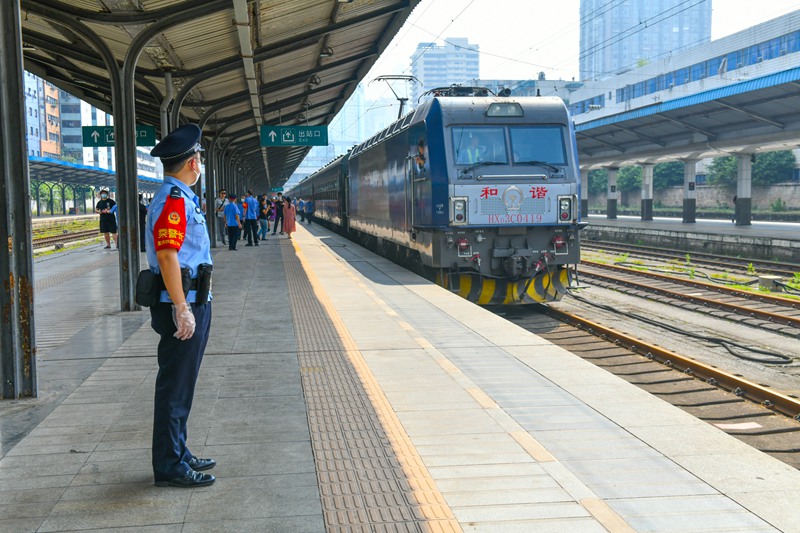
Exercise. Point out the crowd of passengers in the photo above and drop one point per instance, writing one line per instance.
(256, 216)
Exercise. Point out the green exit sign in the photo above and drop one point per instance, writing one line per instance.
(294, 135)
(103, 136)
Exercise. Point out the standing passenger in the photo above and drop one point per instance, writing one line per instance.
(219, 206)
(300, 206)
(108, 222)
(233, 221)
(142, 223)
(278, 207)
(289, 217)
(250, 205)
(178, 247)
(263, 214)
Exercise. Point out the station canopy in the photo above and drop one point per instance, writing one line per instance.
(234, 64)
(54, 170)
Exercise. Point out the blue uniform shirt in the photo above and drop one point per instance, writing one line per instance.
(231, 210)
(252, 208)
(196, 247)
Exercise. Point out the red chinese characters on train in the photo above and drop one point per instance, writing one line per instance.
(486, 192)
(538, 192)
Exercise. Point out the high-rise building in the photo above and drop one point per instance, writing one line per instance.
(456, 62)
(33, 93)
(619, 35)
(51, 122)
(71, 133)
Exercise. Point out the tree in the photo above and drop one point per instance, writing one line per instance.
(773, 167)
(722, 171)
(598, 181)
(667, 175)
(629, 179)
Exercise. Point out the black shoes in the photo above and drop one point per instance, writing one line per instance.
(191, 479)
(248, 244)
(197, 464)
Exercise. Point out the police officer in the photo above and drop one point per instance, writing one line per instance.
(178, 248)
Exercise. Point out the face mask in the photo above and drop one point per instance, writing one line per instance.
(103, 196)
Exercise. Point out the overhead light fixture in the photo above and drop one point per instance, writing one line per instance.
(326, 52)
(345, 1)
(314, 81)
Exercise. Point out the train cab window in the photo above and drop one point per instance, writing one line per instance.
(538, 143)
(479, 144)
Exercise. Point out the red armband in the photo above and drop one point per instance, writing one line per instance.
(170, 228)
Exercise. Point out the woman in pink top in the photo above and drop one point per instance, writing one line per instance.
(289, 217)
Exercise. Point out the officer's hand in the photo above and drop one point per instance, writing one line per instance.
(184, 321)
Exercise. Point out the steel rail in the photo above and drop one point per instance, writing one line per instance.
(741, 387)
(765, 315)
(702, 258)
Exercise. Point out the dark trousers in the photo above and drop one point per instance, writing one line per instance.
(178, 367)
(233, 237)
(301, 215)
(278, 218)
(251, 230)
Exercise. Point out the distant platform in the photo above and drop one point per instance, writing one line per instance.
(777, 241)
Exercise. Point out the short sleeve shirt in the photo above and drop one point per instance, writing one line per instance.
(177, 223)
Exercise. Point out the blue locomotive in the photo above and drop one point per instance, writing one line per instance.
(479, 191)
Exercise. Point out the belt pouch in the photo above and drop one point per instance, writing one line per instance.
(186, 280)
(203, 283)
(148, 288)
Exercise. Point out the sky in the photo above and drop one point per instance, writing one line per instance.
(520, 38)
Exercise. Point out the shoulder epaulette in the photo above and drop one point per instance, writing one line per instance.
(175, 192)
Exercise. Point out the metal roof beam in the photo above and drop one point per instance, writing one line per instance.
(751, 114)
(645, 137)
(612, 146)
(127, 17)
(701, 131)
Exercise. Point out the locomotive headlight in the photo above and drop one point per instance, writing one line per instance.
(458, 210)
(566, 208)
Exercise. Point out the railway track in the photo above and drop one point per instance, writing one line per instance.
(717, 262)
(41, 242)
(773, 313)
(752, 412)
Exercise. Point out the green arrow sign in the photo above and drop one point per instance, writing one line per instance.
(103, 136)
(294, 135)
(276, 189)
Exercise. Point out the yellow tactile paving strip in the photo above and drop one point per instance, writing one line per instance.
(370, 475)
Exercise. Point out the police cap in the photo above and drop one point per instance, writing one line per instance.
(180, 143)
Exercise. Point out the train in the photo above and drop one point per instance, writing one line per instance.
(478, 191)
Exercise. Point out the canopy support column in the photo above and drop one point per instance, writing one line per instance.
(584, 193)
(17, 331)
(744, 189)
(689, 192)
(647, 191)
(611, 198)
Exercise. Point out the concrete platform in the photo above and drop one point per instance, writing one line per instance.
(772, 241)
(340, 392)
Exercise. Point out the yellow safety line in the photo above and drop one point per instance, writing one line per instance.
(429, 500)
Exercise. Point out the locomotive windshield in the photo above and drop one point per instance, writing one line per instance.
(529, 145)
(479, 144)
(538, 143)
